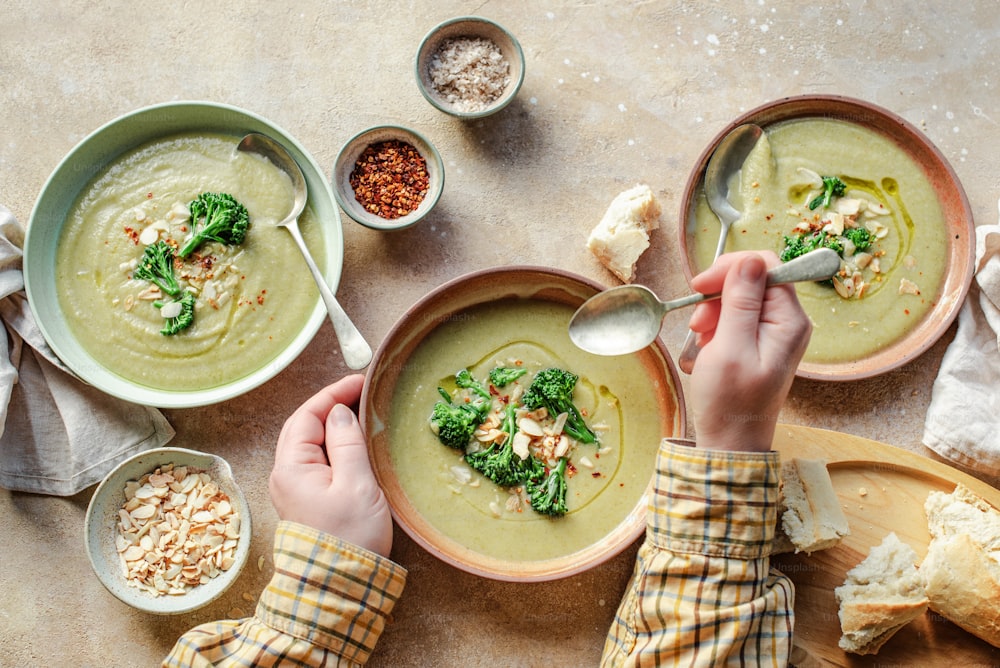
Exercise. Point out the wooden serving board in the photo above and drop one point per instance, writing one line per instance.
(881, 488)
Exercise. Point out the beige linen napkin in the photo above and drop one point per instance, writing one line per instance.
(963, 419)
(58, 435)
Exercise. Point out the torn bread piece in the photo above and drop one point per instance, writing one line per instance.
(963, 585)
(963, 511)
(809, 514)
(622, 235)
(962, 568)
(880, 595)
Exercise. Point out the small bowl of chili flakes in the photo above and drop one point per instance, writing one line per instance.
(388, 177)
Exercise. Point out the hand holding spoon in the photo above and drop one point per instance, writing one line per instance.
(627, 318)
(356, 351)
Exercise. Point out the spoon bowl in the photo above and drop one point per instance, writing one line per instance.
(627, 318)
(727, 160)
(356, 351)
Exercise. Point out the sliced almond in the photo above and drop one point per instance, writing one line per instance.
(176, 530)
(530, 427)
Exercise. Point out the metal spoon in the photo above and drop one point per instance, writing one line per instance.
(356, 351)
(627, 318)
(727, 159)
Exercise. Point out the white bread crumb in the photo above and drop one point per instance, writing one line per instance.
(880, 595)
(623, 233)
(810, 515)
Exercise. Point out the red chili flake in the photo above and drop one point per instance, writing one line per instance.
(390, 179)
(906, 311)
(149, 195)
(132, 234)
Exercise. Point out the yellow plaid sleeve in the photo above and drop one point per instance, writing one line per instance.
(326, 605)
(702, 592)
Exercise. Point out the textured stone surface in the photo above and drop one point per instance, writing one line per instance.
(616, 93)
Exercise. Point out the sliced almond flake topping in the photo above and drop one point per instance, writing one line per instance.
(171, 310)
(521, 445)
(908, 287)
(176, 530)
(530, 427)
(178, 212)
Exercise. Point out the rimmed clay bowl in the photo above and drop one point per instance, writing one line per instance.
(958, 235)
(88, 160)
(502, 315)
(100, 530)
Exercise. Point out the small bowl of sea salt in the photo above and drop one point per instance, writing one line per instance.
(469, 67)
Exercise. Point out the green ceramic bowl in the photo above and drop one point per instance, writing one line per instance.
(86, 161)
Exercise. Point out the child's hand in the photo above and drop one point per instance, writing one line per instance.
(322, 476)
(751, 343)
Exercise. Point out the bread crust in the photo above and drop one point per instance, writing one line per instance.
(866, 626)
(963, 585)
(881, 595)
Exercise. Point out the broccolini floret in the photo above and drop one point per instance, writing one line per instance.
(157, 266)
(800, 244)
(548, 492)
(465, 380)
(502, 376)
(552, 389)
(499, 462)
(832, 187)
(860, 237)
(454, 423)
(223, 219)
(184, 316)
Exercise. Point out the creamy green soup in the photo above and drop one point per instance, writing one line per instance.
(616, 394)
(252, 299)
(883, 299)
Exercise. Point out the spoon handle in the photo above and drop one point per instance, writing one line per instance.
(817, 265)
(356, 351)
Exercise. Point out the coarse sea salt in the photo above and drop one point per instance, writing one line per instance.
(469, 73)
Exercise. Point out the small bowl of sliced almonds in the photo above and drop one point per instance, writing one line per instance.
(168, 530)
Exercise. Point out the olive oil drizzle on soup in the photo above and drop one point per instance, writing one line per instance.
(469, 508)
(773, 190)
(253, 299)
